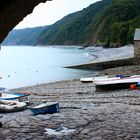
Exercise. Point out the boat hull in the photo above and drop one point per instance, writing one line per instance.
(11, 106)
(117, 80)
(46, 109)
(116, 83)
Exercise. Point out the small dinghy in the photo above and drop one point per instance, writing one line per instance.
(11, 106)
(21, 97)
(46, 108)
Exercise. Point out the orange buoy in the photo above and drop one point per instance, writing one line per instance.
(133, 86)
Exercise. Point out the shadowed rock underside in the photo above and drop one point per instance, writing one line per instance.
(12, 12)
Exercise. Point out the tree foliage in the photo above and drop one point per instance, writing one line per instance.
(27, 36)
(106, 22)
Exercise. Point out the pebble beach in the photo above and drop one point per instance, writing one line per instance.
(84, 113)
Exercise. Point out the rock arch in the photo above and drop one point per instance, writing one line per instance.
(12, 12)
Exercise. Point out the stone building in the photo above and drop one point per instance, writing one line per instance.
(137, 43)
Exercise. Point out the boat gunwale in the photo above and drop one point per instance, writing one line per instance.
(18, 95)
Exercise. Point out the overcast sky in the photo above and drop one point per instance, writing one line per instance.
(51, 11)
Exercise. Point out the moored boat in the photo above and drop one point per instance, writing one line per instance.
(11, 106)
(116, 83)
(46, 108)
(21, 97)
(117, 80)
(86, 80)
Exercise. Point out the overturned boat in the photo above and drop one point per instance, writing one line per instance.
(11, 106)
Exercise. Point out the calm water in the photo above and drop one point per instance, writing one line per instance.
(24, 66)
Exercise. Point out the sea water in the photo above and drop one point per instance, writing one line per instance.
(27, 65)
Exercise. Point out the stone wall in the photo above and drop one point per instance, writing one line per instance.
(137, 49)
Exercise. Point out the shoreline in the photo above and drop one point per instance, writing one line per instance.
(98, 55)
(108, 58)
(84, 113)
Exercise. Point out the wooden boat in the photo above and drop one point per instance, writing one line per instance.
(91, 79)
(46, 108)
(11, 106)
(116, 82)
(21, 97)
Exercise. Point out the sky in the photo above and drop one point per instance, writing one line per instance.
(52, 11)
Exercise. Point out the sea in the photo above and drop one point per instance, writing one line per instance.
(28, 65)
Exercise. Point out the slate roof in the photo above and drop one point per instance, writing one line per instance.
(137, 35)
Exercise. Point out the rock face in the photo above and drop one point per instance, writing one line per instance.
(12, 12)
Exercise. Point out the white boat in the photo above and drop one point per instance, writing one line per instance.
(91, 79)
(117, 80)
(116, 83)
(11, 106)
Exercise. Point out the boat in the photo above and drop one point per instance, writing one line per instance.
(116, 82)
(91, 79)
(11, 106)
(17, 96)
(105, 80)
(87, 80)
(46, 108)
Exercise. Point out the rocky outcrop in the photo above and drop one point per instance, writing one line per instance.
(12, 12)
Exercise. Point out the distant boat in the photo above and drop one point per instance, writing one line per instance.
(11, 106)
(46, 108)
(21, 97)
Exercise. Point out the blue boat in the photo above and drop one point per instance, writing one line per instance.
(21, 97)
(46, 108)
